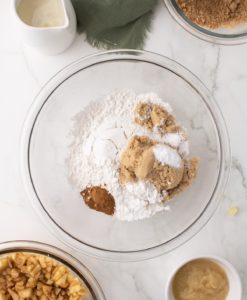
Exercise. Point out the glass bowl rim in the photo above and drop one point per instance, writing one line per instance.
(200, 32)
(142, 56)
(59, 255)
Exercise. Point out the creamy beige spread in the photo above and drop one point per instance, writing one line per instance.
(200, 279)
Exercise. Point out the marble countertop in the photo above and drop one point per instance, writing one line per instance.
(222, 69)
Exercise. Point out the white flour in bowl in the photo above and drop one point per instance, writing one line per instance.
(100, 134)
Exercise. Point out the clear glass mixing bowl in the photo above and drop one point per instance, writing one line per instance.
(223, 36)
(45, 146)
(62, 257)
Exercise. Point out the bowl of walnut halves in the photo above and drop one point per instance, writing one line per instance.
(32, 270)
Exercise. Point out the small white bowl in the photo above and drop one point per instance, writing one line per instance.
(235, 286)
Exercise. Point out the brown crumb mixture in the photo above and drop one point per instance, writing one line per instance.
(215, 13)
(100, 199)
(32, 276)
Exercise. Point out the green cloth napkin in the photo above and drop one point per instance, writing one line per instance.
(112, 24)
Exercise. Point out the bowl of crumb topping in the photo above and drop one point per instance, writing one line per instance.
(33, 270)
(125, 155)
(221, 22)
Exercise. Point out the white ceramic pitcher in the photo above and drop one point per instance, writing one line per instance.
(49, 40)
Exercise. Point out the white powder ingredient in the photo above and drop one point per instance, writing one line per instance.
(184, 148)
(173, 139)
(176, 140)
(167, 156)
(100, 134)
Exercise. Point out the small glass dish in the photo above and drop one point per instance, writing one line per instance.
(76, 267)
(45, 144)
(223, 36)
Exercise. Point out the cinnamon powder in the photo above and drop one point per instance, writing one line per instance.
(215, 13)
(100, 199)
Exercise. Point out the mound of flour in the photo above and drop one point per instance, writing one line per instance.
(100, 134)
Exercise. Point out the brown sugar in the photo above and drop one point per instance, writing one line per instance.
(190, 173)
(129, 163)
(165, 177)
(153, 115)
(98, 198)
(215, 13)
(138, 163)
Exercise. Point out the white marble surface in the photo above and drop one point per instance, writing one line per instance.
(222, 69)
